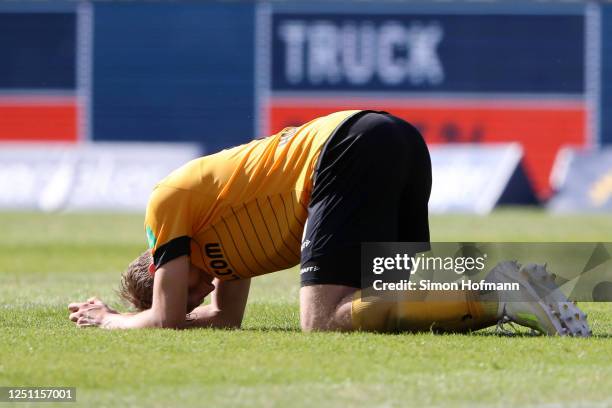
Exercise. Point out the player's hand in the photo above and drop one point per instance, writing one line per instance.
(92, 313)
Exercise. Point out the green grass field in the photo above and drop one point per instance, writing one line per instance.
(46, 261)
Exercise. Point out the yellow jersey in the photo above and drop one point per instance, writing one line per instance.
(240, 212)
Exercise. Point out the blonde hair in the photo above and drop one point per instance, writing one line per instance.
(137, 283)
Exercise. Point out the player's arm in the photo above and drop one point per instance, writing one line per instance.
(168, 228)
(226, 308)
(167, 311)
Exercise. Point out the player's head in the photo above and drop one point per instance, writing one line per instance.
(137, 284)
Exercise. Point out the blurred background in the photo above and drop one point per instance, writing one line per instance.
(99, 100)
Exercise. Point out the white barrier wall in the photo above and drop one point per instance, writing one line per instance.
(583, 179)
(101, 176)
(471, 178)
(120, 176)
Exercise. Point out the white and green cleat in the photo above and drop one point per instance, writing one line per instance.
(539, 304)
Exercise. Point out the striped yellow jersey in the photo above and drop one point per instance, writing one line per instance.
(240, 213)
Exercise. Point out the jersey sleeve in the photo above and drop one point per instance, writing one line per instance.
(168, 224)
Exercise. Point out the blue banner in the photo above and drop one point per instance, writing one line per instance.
(606, 74)
(174, 72)
(406, 51)
(37, 51)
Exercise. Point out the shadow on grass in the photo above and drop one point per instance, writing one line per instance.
(276, 329)
(518, 335)
(279, 329)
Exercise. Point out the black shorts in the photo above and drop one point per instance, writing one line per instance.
(371, 184)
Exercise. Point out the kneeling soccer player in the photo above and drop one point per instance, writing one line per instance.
(313, 194)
